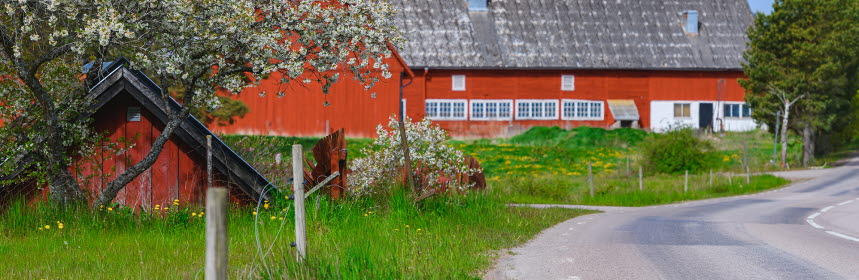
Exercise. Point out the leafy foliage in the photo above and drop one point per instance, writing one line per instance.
(806, 48)
(675, 152)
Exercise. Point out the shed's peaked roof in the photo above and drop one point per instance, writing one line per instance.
(573, 34)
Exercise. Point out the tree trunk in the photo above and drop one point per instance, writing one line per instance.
(808, 145)
(784, 124)
(64, 188)
(109, 193)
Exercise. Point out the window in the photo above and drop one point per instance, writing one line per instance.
(738, 111)
(536, 109)
(458, 83)
(582, 110)
(682, 110)
(133, 114)
(446, 109)
(488, 110)
(568, 82)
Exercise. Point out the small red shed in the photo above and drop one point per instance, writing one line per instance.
(129, 109)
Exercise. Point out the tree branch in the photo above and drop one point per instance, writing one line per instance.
(109, 193)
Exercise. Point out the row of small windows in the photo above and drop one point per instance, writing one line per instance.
(684, 110)
(526, 109)
(568, 83)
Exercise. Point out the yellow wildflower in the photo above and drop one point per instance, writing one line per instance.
(265, 206)
(201, 213)
(273, 217)
(47, 226)
(60, 226)
(109, 208)
(194, 214)
(281, 218)
(255, 213)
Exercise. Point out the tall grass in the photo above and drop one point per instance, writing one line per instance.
(451, 237)
(624, 191)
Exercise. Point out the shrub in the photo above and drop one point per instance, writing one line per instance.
(579, 137)
(435, 164)
(675, 152)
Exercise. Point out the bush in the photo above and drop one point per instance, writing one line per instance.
(436, 166)
(676, 151)
(579, 137)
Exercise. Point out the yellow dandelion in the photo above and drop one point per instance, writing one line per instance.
(60, 226)
(201, 213)
(166, 208)
(109, 208)
(41, 228)
(47, 226)
(365, 215)
(273, 217)
(397, 229)
(407, 225)
(255, 213)
(281, 218)
(194, 214)
(265, 206)
(419, 229)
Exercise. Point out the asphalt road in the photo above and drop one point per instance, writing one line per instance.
(809, 230)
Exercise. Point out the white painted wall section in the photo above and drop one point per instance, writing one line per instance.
(662, 117)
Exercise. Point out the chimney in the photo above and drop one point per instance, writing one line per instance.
(690, 26)
(478, 5)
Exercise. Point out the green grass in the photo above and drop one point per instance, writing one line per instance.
(624, 191)
(379, 238)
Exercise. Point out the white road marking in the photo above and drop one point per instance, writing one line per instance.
(827, 208)
(846, 202)
(812, 223)
(851, 238)
(814, 216)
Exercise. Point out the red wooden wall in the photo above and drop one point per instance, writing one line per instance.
(302, 110)
(640, 86)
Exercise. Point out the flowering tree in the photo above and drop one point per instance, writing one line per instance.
(198, 46)
(438, 165)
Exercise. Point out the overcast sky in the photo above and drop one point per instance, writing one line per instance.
(765, 6)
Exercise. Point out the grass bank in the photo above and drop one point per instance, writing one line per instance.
(624, 191)
(443, 238)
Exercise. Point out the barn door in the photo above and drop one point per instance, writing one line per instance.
(705, 116)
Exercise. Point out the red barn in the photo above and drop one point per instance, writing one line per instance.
(127, 105)
(495, 68)
(304, 110)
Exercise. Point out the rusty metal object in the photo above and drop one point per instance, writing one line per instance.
(330, 155)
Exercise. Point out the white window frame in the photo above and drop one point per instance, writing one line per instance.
(519, 102)
(572, 83)
(575, 103)
(688, 103)
(454, 86)
(509, 103)
(464, 103)
(741, 104)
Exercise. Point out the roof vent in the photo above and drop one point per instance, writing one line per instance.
(691, 23)
(478, 5)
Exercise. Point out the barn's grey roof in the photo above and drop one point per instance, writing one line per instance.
(573, 34)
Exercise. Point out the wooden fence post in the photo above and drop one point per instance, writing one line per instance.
(216, 233)
(748, 175)
(711, 178)
(209, 161)
(298, 184)
(591, 178)
(686, 183)
(640, 178)
(730, 178)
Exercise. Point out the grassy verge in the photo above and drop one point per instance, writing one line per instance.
(624, 191)
(443, 238)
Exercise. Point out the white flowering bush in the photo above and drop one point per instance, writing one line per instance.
(435, 165)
